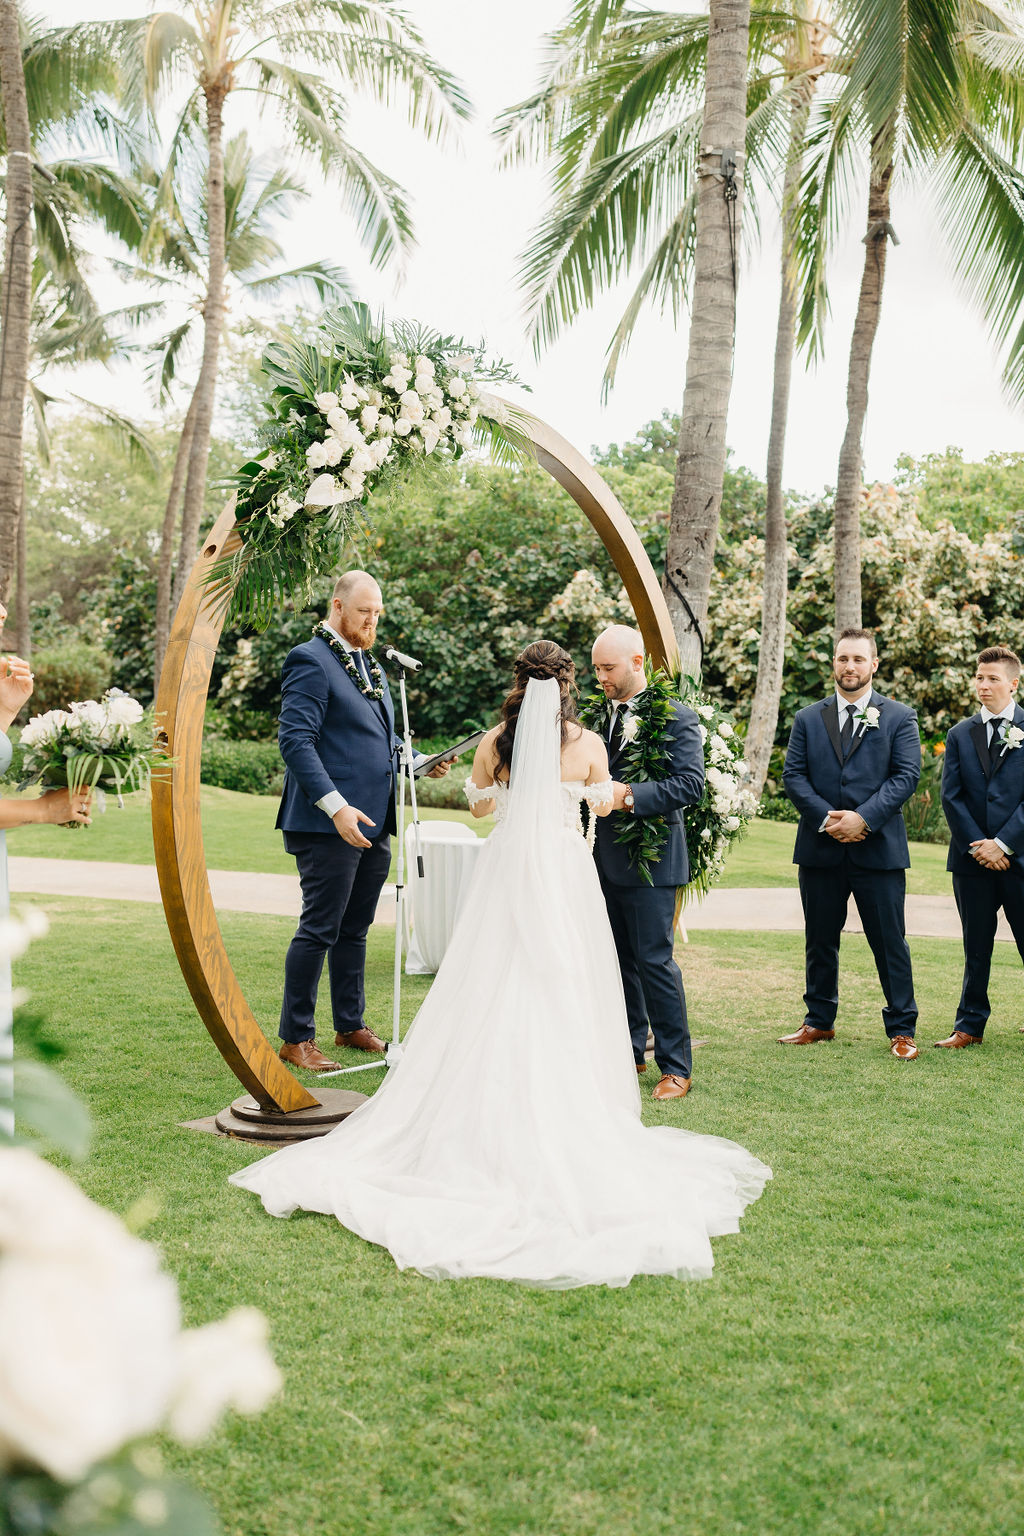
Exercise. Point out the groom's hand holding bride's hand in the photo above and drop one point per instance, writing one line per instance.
(347, 822)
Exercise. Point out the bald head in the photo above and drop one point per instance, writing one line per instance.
(355, 608)
(618, 658)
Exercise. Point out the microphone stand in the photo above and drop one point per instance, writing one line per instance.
(405, 771)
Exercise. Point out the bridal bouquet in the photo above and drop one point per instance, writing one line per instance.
(364, 406)
(107, 742)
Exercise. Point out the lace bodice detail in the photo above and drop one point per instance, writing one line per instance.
(574, 792)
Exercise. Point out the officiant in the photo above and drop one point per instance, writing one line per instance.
(338, 740)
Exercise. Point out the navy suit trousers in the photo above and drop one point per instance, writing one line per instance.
(641, 918)
(880, 895)
(340, 887)
(978, 899)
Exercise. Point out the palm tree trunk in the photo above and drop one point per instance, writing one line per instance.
(764, 712)
(848, 483)
(16, 297)
(213, 324)
(165, 562)
(700, 462)
(22, 625)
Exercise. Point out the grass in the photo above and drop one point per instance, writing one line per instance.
(855, 1366)
(239, 833)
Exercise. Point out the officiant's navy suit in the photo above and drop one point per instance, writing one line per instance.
(332, 737)
(983, 799)
(642, 916)
(878, 773)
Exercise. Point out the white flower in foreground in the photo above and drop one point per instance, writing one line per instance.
(44, 728)
(630, 727)
(328, 401)
(89, 1327)
(705, 711)
(224, 1365)
(403, 426)
(17, 933)
(724, 728)
(333, 452)
(325, 492)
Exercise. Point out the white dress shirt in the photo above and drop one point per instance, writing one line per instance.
(1007, 715)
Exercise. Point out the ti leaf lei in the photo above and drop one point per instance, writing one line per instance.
(644, 758)
(345, 657)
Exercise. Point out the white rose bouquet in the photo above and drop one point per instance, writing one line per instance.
(105, 742)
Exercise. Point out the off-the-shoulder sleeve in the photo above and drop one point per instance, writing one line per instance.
(474, 794)
(599, 794)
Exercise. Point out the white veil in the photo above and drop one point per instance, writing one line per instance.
(534, 800)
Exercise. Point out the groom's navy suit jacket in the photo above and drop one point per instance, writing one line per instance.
(682, 785)
(980, 802)
(880, 773)
(333, 737)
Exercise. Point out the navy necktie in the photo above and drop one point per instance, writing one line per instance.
(846, 734)
(357, 657)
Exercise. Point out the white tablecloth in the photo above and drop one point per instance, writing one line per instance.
(450, 851)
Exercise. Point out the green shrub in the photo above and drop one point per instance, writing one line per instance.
(67, 674)
(923, 813)
(778, 808)
(249, 767)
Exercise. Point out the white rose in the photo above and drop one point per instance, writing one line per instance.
(403, 426)
(326, 402)
(44, 728)
(89, 1326)
(349, 401)
(385, 426)
(122, 708)
(223, 1365)
(412, 408)
(442, 418)
(456, 386)
(703, 733)
(705, 711)
(316, 455)
(368, 417)
(362, 460)
(724, 728)
(333, 451)
(706, 835)
(288, 508)
(424, 365)
(353, 479)
(732, 823)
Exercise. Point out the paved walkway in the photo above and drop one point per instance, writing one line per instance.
(767, 910)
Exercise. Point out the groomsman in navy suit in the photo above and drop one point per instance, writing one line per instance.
(337, 814)
(852, 762)
(983, 798)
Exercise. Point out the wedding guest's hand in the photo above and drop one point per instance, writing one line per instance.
(846, 827)
(60, 806)
(989, 855)
(15, 685)
(347, 822)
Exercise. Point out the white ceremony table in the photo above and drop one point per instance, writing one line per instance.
(450, 851)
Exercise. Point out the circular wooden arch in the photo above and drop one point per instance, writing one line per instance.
(181, 703)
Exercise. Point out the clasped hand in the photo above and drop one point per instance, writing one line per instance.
(846, 826)
(988, 854)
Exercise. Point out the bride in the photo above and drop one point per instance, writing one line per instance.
(479, 1155)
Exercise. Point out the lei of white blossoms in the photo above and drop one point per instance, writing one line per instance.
(108, 740)
(366, 406)
(729, 803)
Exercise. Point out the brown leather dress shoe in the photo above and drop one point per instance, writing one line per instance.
(361, 1040)
(805, 1035)
(306, 1053)
(641, 1066)
(957, 1040)
(903, 1047)
(671, 1087)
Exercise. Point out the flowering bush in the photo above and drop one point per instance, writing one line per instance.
(361, 409)
(107, 741)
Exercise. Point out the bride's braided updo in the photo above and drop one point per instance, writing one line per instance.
(541, 660)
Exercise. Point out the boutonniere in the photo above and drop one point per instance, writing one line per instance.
(867, 718)
(630, 726)
(1011, 737)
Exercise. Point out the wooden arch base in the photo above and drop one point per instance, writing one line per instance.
(177, 827)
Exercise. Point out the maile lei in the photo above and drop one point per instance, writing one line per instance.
(645, 756)
(376, 691)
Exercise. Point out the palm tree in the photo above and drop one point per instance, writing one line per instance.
(257, 193)
(16, 304)
(917, 102)
(623, 110)
(198, 53)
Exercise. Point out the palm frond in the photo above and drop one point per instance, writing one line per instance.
(324, 278)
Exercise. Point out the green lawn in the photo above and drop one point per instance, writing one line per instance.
(238, 833)
(855, 1367)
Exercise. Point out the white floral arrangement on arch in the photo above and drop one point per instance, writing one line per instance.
(361, 408)
(729, 804)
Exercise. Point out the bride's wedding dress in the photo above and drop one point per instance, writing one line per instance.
(507, 1141)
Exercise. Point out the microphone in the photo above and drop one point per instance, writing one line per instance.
(409, 663)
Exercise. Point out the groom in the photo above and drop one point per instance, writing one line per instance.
(337, 738)
(642, 916)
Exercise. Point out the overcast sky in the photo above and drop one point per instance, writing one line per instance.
(935, 377)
